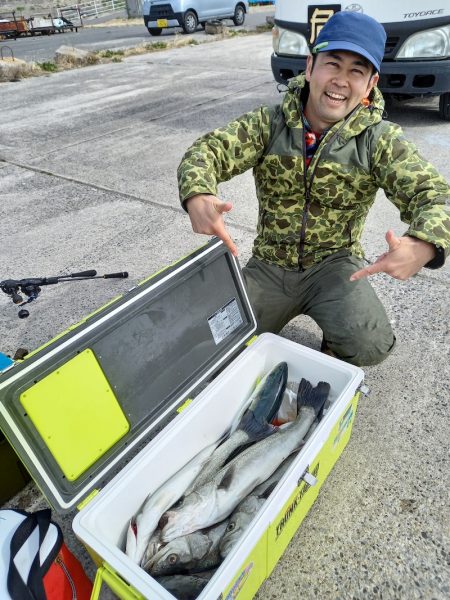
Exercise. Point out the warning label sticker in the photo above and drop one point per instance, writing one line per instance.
(225, 320)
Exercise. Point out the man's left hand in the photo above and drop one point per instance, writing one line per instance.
(405, 257)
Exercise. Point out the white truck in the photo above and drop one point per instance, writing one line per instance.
(417, 53)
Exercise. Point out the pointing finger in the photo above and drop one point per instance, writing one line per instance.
(367, 271)
(226, 238)
(221, 232)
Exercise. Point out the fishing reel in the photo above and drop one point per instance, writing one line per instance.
(17, 289)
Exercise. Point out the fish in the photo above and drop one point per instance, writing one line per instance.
(154, 544)
(142, 526)
(196, 551)
(186, 587)
(246, 510)
(215, 500)
(254, 424)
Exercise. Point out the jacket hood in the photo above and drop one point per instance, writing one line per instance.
(357, 121)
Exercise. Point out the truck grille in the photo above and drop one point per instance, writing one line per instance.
(162, 11)
(391, 46)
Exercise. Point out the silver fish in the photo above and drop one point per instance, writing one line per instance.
(216, 500)
(254, 424)
(194, 552)
(186, 587)
(246, 510)
(144, 524)
(154, 544)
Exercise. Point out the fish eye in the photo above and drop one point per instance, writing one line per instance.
(172, 559)
(231, 526)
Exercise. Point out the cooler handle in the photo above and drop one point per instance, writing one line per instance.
(120, 587)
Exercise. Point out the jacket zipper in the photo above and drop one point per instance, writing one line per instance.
(60, 562)
(309, 184)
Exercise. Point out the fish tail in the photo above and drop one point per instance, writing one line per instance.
(255, 428)
(268, 402)
(315, 397)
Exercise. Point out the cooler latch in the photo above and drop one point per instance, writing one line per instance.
(364, 389)
(307, 477)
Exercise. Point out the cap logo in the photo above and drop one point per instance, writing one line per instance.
(319, 47)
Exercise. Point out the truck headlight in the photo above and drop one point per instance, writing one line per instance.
(289, 42)
(434, 43)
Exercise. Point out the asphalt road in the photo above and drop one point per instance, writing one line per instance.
(88, 161)
(42, 48)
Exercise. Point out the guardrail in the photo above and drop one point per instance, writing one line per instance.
(96, 8)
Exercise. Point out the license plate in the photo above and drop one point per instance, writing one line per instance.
(161, 23)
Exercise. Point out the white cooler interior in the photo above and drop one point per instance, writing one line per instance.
(102, 524)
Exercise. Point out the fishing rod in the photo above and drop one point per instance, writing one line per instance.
(31, 288)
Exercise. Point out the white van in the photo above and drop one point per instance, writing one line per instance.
(417, 54)
(188, 14)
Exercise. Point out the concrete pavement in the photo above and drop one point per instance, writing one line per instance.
(88, 180)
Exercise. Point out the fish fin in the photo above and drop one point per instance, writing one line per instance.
(304, 389)
(227, 478)
(269, 489)
(237, 451)
(269, 400)
(313, 397)
(323, 388)
(255, 428)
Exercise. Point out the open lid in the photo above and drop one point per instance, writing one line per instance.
(79, 406)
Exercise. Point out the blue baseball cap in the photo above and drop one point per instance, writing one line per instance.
(354, 32)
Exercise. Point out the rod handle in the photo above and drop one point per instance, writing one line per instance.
(92, 273)
(122, 275)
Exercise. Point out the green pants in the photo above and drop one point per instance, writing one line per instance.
(354, 323)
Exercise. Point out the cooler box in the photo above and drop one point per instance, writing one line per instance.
(108, 400)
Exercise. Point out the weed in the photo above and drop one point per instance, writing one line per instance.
(264, 27)
(49, 67)
(193, 42)
(158, 46)
(111, 53)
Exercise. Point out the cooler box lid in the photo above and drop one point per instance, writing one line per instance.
(77, 408)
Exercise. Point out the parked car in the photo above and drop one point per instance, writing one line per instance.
(188, 14)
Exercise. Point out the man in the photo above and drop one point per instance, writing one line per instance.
(318, 160)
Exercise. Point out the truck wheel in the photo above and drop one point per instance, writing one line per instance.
(190, 22)
(444, 106)
(154, 30)
(239, 15)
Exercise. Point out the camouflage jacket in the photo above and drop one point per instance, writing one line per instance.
(305, 215)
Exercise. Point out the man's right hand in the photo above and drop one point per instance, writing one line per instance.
(206, 214)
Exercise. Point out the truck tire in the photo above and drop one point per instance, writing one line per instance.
(154, 30)
(239, 15)
(444, 106)
(190, 22)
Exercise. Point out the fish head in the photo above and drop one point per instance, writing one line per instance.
(238, 523)
(187, 518)
(153, 547)
(171, 558)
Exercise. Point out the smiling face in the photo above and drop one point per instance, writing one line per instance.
(338, 81)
